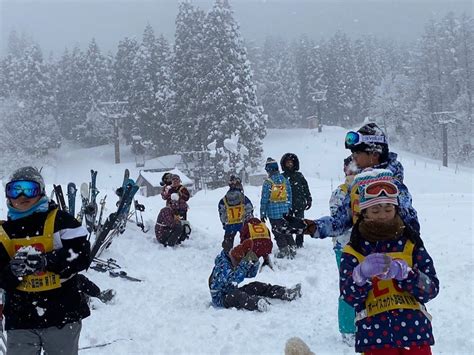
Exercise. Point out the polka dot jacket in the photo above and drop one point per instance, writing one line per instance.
(396, 328)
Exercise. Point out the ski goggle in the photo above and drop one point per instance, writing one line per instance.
(27, 188)
(376, 189)
(355, 138)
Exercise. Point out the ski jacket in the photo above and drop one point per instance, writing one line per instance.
(225, 277)
(301, 196)
(28, 309)
(183, 193)
(167, 219)
(226, 208)
(269, 205)
(343, 219)
(399, 324)
(336, 200)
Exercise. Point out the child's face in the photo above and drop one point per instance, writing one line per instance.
(364, 160)
(381, 213)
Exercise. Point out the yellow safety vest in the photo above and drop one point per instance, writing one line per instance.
(278, 192)
(41, 281)
(259, 231)
(355, 208)
(385, 295)
(235, 214)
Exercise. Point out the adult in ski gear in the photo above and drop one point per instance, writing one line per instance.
(346, 313)
(300, 195)
(275, 202)
(183, 193)
(370, 150)
(233, 209)
(386, 273)
(169, 230)
(43, 307)
(90, 289)
(232, 268)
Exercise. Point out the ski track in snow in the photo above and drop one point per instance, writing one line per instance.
(170, 313)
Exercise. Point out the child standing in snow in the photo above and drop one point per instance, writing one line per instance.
(387, 274)
(233, 208)
(345, 312)
(232, 268)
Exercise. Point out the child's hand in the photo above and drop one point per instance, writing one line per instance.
(376, 264)
(398, 269)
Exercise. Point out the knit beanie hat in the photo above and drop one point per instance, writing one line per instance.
(271, 165)
(28, 173)
(376, 186)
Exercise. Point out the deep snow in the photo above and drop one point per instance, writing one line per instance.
(170, 312)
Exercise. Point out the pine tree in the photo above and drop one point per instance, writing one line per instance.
(229, 103)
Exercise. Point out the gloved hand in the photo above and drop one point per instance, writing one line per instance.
(251, 257)
(375, 264)
(309, 203)
(398, 269)
(263, 218)
(295, 225)
(27, 261)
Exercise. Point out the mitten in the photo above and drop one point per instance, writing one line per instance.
(398, 269)
(36, 262)
(373, 265)
(292, 225)
(250, 257)
(263, 218)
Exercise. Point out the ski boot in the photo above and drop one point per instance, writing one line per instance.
(262, 305)
(292, 254)
(292, 293)
(283, 253)
(348, 339)
(106, 296)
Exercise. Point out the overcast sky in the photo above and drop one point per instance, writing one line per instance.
(58, 24)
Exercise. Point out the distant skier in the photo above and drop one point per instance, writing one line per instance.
(232, 268)
(233, 209)
(275, 202)
(301, 196)
(183, 194)
(170, 230)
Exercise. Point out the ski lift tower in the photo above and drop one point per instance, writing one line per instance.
(114, 111)
(444, 118)
(318, 97)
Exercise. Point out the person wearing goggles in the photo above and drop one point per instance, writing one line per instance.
(37, 241)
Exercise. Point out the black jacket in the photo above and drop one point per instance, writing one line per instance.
(301, 196)
(57, 307)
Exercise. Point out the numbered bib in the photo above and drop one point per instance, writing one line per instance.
(259, 231)
(278, 193)
(235, 214)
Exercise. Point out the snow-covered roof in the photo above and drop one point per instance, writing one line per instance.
(164, 162)
(154, 177)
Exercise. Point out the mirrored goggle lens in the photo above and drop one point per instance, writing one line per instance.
(352, 139)
(27, 188)
(377, 188)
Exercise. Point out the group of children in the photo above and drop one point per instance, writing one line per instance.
(386, 273)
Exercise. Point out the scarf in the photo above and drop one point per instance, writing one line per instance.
(41, 206)
(375, 231)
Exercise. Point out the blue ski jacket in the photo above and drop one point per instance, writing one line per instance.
(225, 278)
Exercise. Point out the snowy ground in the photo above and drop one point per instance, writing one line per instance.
(170, 313)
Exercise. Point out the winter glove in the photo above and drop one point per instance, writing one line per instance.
(375, 264)
(309, 203)
(295, 225)
(251, 257)
(27, 262)
(263, 218)
(398, 269)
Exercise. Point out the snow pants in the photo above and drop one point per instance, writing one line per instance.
(282, 240)
(53, 340)
(345, 313)
(174, 236)
(299, 237)
(247, 297)
(228, 242)
(412, 350)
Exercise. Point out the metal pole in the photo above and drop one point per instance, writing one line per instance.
(445, 143)
(116, 142)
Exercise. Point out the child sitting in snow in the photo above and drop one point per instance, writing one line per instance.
(387, 274)
(232, 268)
(170, 230)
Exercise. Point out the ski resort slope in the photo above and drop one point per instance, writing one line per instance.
(170, 313)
